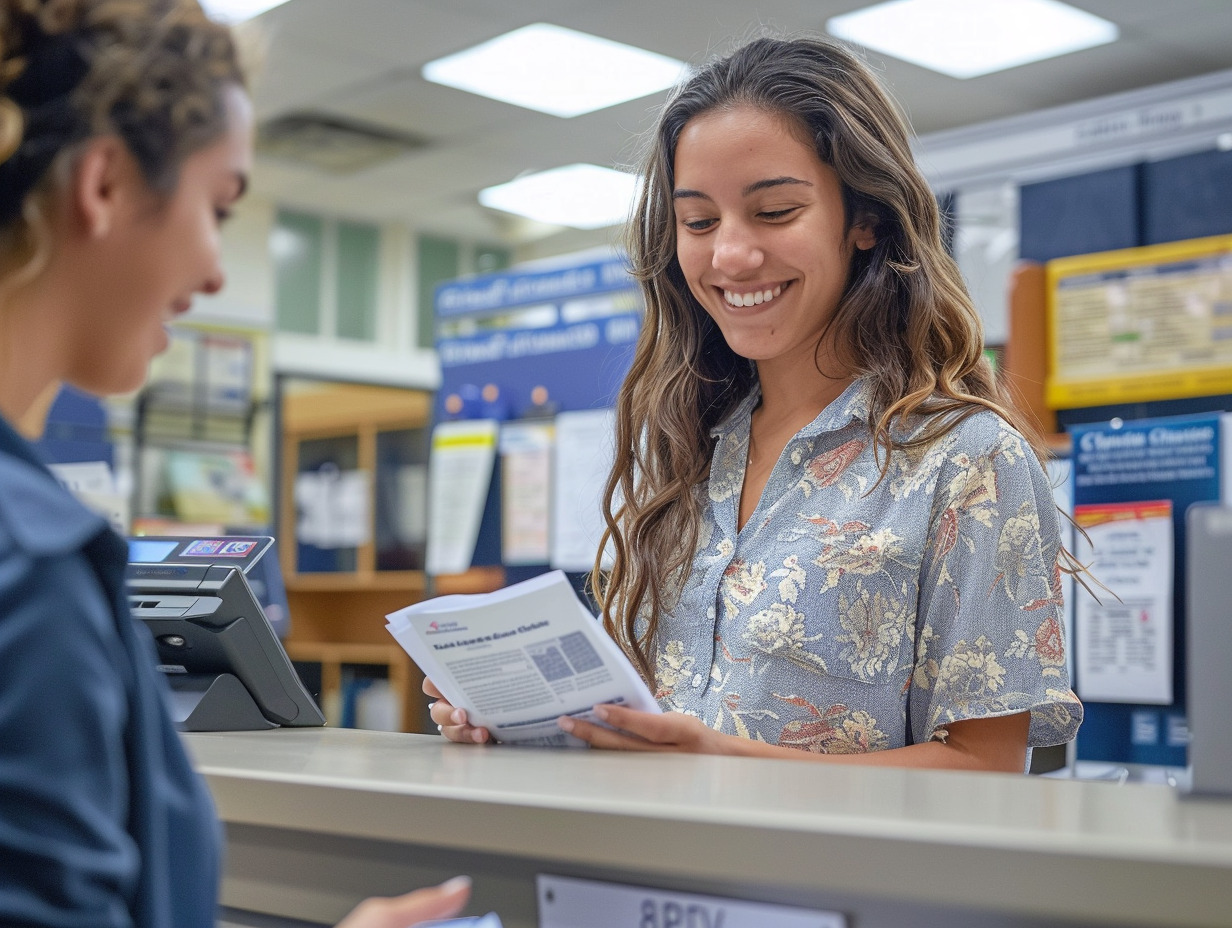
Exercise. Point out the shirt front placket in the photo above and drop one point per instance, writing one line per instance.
(727, 466)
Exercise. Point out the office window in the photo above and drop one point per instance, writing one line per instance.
(439, 261)
(358, 272)
(296, 247)
(442, 260)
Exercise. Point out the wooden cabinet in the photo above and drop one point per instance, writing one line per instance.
(339, 591)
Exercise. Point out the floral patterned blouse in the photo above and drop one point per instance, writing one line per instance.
(852, 615)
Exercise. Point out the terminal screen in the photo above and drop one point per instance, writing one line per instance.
(149, 550)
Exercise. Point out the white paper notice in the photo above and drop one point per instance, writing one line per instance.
(584, 450)
(1124, 649)
(333, 508)
(92, 483)
(459, 474)
(519, 658)
(526, 476)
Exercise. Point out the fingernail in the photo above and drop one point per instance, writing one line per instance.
(601, 712)
(565, 723)
(458, 717)
(457, 884)
(479, 736)
(431, 705)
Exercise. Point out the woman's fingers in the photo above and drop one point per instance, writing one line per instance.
(640, 731)
(599, 737)
(442, 901)
(451, 721)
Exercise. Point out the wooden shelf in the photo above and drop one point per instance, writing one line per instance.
(404, 677)
(407, 581)
(475, 580)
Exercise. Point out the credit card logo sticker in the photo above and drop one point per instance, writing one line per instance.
(217, 547)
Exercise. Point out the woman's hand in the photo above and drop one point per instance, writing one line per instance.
(442, 901)
(647, 731)
(451, 721)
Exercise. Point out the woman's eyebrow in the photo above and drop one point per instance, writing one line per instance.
(684, 193)
(773, 182)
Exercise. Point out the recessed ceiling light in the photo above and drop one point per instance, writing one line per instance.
(581, 196)
(556, 70)
(967, 38)
(234, 11)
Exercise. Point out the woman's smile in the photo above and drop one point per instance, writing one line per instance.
(753, 297)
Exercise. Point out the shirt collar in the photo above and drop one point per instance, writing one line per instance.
(36, 512)
(853, 403)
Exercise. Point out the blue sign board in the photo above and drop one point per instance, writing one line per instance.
(1178, 459)
(533, 342)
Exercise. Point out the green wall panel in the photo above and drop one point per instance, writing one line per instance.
(296, 251)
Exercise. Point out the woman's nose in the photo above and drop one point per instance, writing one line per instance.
(214, 282)
(736, 249)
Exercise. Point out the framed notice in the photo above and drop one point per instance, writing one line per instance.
(1140, 324)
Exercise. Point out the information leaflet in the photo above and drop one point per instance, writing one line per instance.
(1125, 636)
(520, 658)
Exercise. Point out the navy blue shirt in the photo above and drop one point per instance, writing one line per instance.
(103, 822)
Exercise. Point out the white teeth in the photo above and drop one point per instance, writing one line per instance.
(756, 298)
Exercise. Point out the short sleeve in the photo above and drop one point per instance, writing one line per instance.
(64, 786)
(990, 636)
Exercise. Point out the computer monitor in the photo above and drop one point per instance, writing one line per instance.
(226, 668)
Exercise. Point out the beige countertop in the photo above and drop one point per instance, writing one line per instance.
(1040, 850)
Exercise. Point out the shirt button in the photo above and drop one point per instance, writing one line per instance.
(710, 613)
(697, 680)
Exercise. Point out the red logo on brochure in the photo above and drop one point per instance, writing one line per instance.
(219, 547)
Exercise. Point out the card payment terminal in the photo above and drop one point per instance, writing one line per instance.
(227, 669)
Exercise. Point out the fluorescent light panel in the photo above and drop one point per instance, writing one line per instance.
(967, 38)
(556, 70)
(582, 196)
(234, 11)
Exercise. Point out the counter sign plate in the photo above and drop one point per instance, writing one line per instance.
(568, 903)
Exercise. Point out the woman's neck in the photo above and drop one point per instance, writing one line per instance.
(790, 401)
(30, 361)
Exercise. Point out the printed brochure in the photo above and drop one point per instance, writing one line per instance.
(519, 658)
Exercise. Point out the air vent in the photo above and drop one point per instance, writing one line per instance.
(330, 143)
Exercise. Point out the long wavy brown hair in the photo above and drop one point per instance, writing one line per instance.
(905, 320)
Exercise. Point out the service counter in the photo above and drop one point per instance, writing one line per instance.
(318, 818)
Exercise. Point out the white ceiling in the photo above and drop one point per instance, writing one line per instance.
(361, 59)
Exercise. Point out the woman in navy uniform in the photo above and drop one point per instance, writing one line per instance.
(125, 139)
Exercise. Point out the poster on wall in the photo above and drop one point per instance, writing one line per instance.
(583, 460)
(1124, 638)
(1140, 324)
(460, 467)
(526, 479)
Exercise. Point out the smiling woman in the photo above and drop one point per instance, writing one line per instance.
(125, 139)
(832, 536)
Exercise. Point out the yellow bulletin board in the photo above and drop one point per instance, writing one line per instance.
(1140, 324)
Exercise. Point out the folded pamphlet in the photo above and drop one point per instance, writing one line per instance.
(519, 658)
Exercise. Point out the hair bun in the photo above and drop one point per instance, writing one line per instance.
(12, 126)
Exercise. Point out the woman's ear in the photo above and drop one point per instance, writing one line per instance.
(102, 185)
(863, 232)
